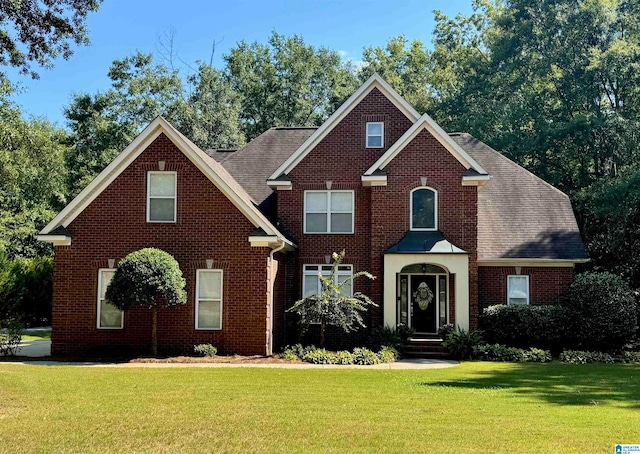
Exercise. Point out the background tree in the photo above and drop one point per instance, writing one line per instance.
(148, 277)
(334, 305)
(286, 83)
(38, 31)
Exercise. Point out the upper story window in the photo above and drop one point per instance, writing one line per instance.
(311, 284)
(375, 134)
(328, 212)
(161, 196)
(424, 209)
(209, 299)
(517, 290)
(109, 316)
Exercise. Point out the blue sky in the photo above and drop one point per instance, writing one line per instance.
(122, 27)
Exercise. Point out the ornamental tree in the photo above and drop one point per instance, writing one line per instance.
(335, 305)
(148, 277)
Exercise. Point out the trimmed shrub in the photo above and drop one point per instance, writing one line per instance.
(365, 357)
(537, 355)
(445, 330)
(523, 326)
(384, 337)
(601, 312)
(388, 354)
(582, 357)
(205, 350)
(296, 351)
(497, 352)
(320, 356)
(460, 343)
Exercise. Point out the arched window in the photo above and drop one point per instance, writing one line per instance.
(424, 209)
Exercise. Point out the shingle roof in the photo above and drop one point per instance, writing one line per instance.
(252, 165)
(519, 214)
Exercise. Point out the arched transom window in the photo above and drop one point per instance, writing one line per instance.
(424, 209)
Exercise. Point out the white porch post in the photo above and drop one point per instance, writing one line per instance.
(457, 264)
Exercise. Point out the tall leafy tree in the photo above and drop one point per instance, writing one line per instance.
(286, 83)
(37, 31)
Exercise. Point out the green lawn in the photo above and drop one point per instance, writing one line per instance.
(36, 336)
(475, 407)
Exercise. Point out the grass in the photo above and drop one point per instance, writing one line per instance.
(473, 408)
(36, 336)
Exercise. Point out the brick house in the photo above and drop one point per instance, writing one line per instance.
(447, 224)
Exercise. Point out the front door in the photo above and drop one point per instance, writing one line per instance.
(424, 302)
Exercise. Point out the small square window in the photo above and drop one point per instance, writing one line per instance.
(517, 290)
(328, 212)
(161, 197)
(375, 134)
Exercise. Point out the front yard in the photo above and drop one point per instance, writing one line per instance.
(475, 407)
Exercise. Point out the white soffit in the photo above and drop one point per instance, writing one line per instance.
(426, 122)
(375, 81)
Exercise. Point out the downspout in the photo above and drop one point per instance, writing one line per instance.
(272, 279)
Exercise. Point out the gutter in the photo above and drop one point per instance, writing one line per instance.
(272, 282)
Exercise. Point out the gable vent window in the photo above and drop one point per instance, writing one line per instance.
(161, 196)
(328, 212)
(517, 290)
(424, 209)
(375, 134)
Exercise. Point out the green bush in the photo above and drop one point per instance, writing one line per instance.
(10, 337)
(365, 357)
(601, 312)
(344, 358)
(26, 289)
(320, 356)
(384, 337)
(205, 350)
(460, 343)
(296, 351)
(498, 352)
(523, 326)
(445, 330)
(583, 357)
(388, 354)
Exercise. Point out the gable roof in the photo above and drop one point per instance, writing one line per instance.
(213, 170)
(520, 216)
(252, 165)
(375, 81)
(426, 122)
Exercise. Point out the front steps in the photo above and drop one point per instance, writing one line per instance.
(425, 347)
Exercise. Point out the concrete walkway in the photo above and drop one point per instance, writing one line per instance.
(35, 349)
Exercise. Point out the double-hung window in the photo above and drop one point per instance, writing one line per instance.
(161, 196)
(209, 299)
(375, 134)
(328, 212)
(517, 290)
(109, 316)
(311, 284)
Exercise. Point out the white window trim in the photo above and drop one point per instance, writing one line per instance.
(175, 195)
(339, 276)
(435, 210)
(100, 271)
(198, 299)
(509, 289)
(329, 212)
(381, 123)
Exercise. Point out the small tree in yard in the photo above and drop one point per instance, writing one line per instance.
(146, 278)
(332, 306)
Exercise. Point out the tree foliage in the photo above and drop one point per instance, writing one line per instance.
(37, 31)
(334, 305)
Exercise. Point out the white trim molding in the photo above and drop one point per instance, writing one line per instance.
(523, 262)
(56, 240)
(373, 180)
(375, 81)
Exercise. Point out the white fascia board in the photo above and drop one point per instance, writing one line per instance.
(476, 180)
(280, 185)
(56, 240)
(560, 263)
(271, 241)
(130, 153)
(426, 122)
(106, 177)
(375, 81)
(373, 180)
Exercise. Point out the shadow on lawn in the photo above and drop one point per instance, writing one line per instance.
(561, 384)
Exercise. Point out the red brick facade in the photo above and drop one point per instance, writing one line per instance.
(208, 226)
